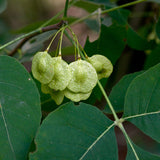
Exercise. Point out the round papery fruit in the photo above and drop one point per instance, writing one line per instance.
(43, 67)
(57, 96)
(45, 88)
(102, 65)
(83, 77)
(61, 76)
(76, 97)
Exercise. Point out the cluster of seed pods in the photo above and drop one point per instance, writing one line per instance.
(74, 81)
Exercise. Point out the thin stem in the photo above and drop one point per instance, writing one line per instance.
(71, 40)
(108, 101)
(60, 43)
(122, 6)
(106, 11)
(53, 39)
(128, 139)
(76, 41)
(19, 38)
(83, 51)
(66, 9)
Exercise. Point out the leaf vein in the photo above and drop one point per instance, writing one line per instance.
(7, 131)
(90, 147)
(151, 95)
(140, 115)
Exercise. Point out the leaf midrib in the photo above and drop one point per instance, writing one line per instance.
(101, 135)
(7, 132)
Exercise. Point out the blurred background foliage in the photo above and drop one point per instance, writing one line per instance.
(129, 37)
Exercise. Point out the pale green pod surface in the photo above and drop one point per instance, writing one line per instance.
(45, 88)
(102, 65)
(43, 67)
(61, 76)
(57, 96)
(83, 77)
(76, 97)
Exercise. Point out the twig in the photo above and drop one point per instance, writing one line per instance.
(44, 29)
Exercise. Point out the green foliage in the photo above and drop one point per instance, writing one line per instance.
(137, 42)
(142, 154)
(82, 128)
(19, 110)
(33, 126)
(88, 6)
(141, 105)
(153, 58)
(117, 99)
(75, 132)
(106, 46)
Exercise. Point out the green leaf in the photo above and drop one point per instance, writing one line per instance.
(135, 41)
(142, 154)
(153, 58)
(158, 28)
(120, 15)
(3, 5)
(76, 132)
(110, 43)
(93, 24)
(142, 105)
(117, 95)
(88, 6)
(19, 110)
(105, 2)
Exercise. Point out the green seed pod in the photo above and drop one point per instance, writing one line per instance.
(45, 89)
(57, 96)
(102, 65)
(61, 76)
(76, 97)
(43, 67)
(83, 77)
